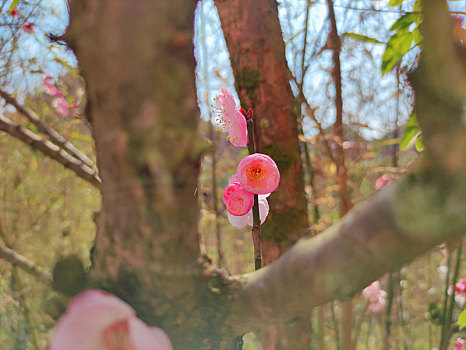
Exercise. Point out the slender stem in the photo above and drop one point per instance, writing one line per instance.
(445, 304)
(335, 326)
(256, 223)
(451, 302)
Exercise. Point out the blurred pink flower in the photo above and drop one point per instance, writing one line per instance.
(382, 181)
(258, 174)
(460, 288)
(230, 119)
(28, 27)
(237, 200)
(49, 87)
(375, 295)
(14, 13)
(96, 320)
(247, 219)
(61, 105)
(460, 343)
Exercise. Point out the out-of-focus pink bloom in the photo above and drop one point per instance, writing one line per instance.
(49, 87)
(237, 200)
(28, 27)
(230, 119)
(376, 296)
(460, 344)
(460, 288)
(241, 221)
(382, 181)
(96, 320)
(61, 105)
(258, 174)
(75, 105)
(14, 13)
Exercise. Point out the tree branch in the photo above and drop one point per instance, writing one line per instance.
(395, 226)
(23, 263)
(54, 136)
(49, 149)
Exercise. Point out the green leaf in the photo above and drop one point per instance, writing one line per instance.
(14, 3)
(397, 46)
(418, 143)
(362, 38)
(417, 36)
(405, 21)
(411, 130)
(462, 319)
(393, 3)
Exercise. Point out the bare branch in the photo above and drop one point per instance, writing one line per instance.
(23, 263)
(49, 149)
(54, 136)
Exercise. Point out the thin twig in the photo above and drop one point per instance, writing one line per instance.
(256, 222)
(54, 136)
(49, 149)
(25, 264)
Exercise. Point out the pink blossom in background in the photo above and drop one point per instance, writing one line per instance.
(61, 105)
(460, 288)
(247, 219)
(382, 181)
(96, 320)
(28, 27)
(258, 174)
(375, 296)
(230, 119)
(49, 87)
(460, 344)
(237, 200)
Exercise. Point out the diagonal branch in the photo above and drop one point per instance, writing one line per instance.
(51, 150)
(395, 226)
(54, 136)
(25, 264)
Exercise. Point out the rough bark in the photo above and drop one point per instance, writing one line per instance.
(257, 53)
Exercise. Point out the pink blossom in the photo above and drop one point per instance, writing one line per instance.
(241, 221)
(28, 27)
(382, 181)
(460, 344)
(230, 119)
(237, 200)
(96, 320)
(376, 296)
(49, 87)
(61, 105)
(460, 288)
(258, 174)
(14, 13)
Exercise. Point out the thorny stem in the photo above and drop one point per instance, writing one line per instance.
(256, 223)
(445, 303)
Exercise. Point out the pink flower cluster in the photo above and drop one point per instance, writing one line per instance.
(59, 102)
(382, 181)
(256, 174)
(96, 320)
(460, 344)
(375, 295)
(27, 27)
(460, 288)
(230, 119)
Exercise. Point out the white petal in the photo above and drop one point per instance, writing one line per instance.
(240, 221)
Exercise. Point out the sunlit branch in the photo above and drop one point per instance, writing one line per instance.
(25, 264)
(54, 136)
(49, 149)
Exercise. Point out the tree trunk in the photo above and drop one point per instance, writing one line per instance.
(255, 43)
